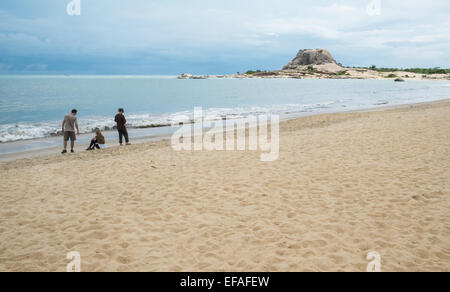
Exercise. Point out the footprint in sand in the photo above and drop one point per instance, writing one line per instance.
(10, 214)
(96, 235)
(124, 260)
(72, 244)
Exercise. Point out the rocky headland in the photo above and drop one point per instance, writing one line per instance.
(320, 64)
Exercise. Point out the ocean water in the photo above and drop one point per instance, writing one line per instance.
(33, 107)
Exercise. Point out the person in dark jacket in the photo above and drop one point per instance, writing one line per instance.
(122, 127)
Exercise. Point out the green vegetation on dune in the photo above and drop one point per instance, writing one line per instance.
(428, 71)
(251, 72)
(311, 70)
(391, 76)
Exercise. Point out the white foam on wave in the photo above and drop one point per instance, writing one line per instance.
(24, 131)
(27, 131)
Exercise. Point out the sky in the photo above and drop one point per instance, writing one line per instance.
(170, 37)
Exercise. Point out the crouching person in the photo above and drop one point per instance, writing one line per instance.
(98, 140)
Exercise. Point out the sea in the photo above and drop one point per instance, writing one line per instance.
(32, 107)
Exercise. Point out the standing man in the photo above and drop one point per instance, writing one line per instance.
(68, 126)
(121, 126)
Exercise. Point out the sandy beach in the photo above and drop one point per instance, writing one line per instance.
(344, 185)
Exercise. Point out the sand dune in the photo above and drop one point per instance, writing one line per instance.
(344, 185)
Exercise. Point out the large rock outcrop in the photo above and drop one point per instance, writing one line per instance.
(310, 57)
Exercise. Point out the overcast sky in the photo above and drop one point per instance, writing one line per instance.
(212, 37)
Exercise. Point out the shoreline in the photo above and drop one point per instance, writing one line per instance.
(164, 136)
(139, 136)
(373, 93)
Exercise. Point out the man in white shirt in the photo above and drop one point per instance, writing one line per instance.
(68, 127)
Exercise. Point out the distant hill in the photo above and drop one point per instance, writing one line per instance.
(310, 57)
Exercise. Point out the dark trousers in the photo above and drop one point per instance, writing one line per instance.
(94, 144)
(123, 133)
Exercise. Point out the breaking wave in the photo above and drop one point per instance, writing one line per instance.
(27, 131)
